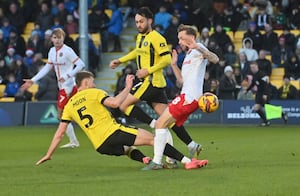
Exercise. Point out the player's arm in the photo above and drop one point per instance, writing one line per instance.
(79, 67)
(62, 127)
(115, 102)
(116, 62)
(175, 68)
(37, 77)
(210, 56)
(163, 62)
(160, 45)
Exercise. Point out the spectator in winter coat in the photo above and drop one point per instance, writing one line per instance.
(248, 49)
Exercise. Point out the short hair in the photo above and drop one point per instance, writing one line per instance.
(145, 12)
(81, 76)
(190, 30)
(58, 32)
(253, 62)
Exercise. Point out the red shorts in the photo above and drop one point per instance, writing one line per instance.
(63, 98)
(181, 111)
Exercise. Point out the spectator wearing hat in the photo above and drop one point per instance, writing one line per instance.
(255, 36)
(17, 42)
(287, 90)
(47, 43)
(228, 86)
(204, 36)
(35, 42)
(280, 53)
(28, 59)
(248, 50)
(10, 57)
(264, 64)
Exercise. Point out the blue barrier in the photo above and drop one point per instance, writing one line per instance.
(11, 114)
(229, 112)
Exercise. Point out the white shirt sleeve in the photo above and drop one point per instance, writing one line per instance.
(42, 72)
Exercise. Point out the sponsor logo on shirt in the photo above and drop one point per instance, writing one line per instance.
(186, 62)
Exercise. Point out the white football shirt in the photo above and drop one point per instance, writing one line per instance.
(193, 71)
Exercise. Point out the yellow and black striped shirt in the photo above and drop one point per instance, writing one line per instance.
(151, 53)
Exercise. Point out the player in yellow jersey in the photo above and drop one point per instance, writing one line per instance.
(152, 55)
(88, 109)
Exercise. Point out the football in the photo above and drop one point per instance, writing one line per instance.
(208, 102)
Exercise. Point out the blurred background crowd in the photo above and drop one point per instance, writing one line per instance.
(238, 31)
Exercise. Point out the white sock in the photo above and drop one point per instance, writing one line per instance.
(152, 124)
(192, 145)
(71, 134)
(160, 140)
(185, 160)
(170, 141)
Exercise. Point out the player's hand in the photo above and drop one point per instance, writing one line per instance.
(129, 80)
(62, 80)
(27, 83)
(190, 43)
(114, 63)
(142, 73)
(174, 58)
(42, 160)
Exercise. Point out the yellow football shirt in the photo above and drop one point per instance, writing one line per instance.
(151, 53)
(87, 110)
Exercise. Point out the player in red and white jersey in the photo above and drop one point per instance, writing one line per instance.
(62, 59)
(191, 77)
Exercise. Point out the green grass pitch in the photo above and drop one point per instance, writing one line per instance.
(243, 160)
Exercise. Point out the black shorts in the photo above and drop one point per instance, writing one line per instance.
(259, 99)
(114, 144)
(145, 91)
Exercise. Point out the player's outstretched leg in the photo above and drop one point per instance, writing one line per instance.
(136, 155)
(174, 153)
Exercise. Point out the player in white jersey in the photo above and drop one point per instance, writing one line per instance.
(62, 59)
(191, 77)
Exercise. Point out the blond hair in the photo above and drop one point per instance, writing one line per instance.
(190, 30)
(58, 32)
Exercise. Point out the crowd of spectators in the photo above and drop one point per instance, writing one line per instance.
(259, 19)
